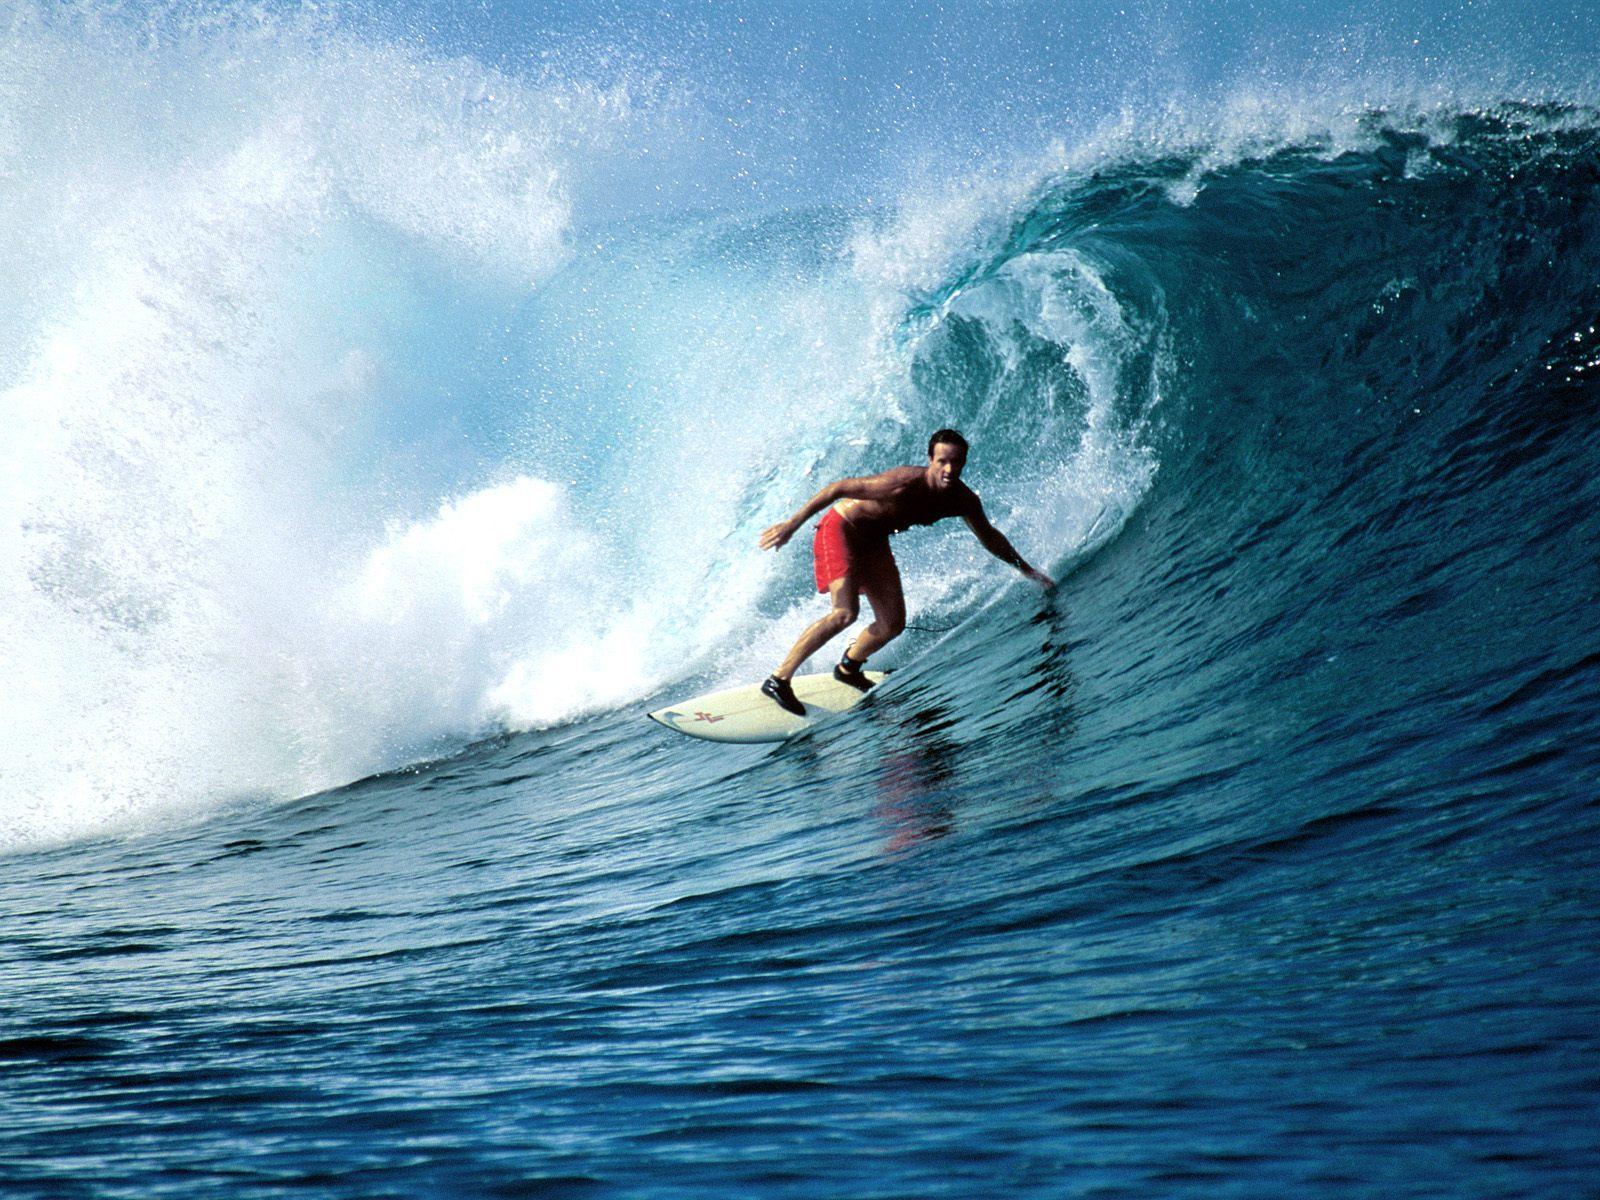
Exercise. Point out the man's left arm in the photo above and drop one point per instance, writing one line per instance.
(997, 544)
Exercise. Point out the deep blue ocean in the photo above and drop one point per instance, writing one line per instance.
(374, 457)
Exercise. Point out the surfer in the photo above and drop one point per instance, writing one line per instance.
(852, 554)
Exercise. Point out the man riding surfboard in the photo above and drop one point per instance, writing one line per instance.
(851, 548)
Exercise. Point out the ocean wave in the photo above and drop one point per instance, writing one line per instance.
(332, 440)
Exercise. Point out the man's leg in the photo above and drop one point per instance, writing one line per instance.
(881, 582)
(846, 597)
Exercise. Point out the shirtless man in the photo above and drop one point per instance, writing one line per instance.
(853, 556)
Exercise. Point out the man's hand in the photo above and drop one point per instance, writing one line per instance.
(777, 535)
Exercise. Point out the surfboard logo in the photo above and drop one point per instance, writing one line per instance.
(705, 716)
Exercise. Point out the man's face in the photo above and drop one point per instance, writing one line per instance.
(944, 465)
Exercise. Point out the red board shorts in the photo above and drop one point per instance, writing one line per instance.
(838, 550)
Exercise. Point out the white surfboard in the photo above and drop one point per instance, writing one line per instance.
(743, 714)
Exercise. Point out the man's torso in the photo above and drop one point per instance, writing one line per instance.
(915, 504)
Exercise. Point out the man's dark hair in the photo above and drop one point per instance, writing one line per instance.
(949, 437)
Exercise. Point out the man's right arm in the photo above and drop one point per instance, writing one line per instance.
(865, 487)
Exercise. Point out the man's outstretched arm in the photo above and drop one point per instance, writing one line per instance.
(865, 487)
(997, 544)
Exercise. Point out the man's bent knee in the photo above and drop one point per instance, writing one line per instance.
(841, 619)
(889, 629)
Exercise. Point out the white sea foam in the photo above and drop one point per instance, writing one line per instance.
(197, 595)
